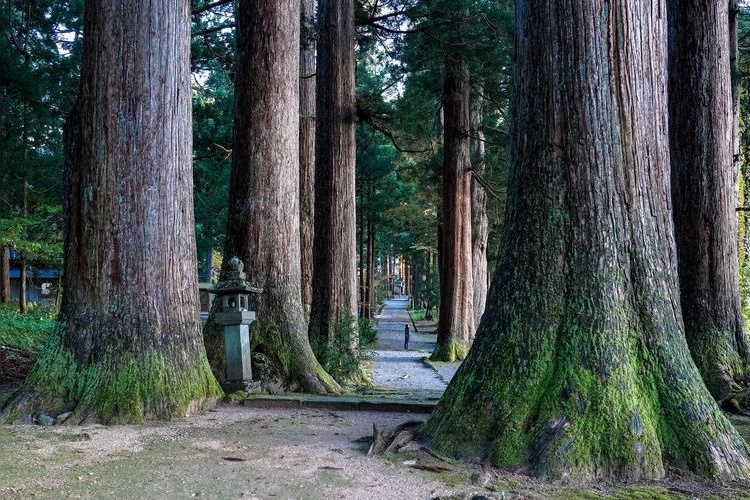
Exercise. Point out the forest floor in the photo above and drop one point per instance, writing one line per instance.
(239, 451)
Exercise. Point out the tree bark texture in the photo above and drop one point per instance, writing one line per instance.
(128, 347)
(263, 223)
(479, 220)
(334, 256)
(456, 321)
(701, 125)
(580, 368)
(307, 148)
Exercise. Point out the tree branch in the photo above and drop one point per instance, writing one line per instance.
(208, 31)
(486, 185)
(209, 6)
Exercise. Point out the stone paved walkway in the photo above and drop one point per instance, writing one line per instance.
(405, 371)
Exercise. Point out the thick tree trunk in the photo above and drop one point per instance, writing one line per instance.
(307, 148)
(334, 257)
(263, 218)
(479, 220)
(580, 368)
(128, 347)
(4, 275)
(456, 324)
(701, 125)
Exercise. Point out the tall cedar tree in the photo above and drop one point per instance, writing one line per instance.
(479, 220)
(701, 128)
(307, 148)
(334, 247)
(263, 219)
(128, 347)
(456, 323)
(580, 367)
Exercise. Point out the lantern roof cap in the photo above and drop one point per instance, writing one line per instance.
(234, 281)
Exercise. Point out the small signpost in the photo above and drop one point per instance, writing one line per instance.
(233, 294)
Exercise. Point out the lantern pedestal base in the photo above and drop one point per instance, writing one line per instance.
(237, 349)
(248, 386)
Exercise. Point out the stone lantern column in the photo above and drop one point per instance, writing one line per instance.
(234, 294)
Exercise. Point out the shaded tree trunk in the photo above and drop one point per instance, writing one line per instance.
(307, 148)
(207, 271)
(23, 306)
(128, 347)
(370, 267)
(264, 187)
(334, 258)
(479, 220)
(5, 275)
(456, 320)
(701, 125)
(361, 256)
(580, 368)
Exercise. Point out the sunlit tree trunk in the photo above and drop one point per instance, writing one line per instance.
(334, 256)
(456, 324)
(701, 125)
(580, 368)
(128, 347)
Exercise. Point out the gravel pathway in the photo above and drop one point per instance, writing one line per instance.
(399, 369)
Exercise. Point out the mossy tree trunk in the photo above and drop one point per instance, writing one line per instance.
(456, 322)
(307, 148)
(580, 367)
(264, 218)
(479, 220)
(128, 346)
(701, 126)
(334, 246)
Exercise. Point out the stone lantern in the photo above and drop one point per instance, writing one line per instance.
(233, 294)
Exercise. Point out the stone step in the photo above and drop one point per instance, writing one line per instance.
(398, 403)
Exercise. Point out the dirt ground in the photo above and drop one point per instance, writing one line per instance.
(242, 452)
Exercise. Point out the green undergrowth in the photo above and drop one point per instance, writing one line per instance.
(421, 314)
(367, 334)
(339, 359)
(25, 332)
(417, 314)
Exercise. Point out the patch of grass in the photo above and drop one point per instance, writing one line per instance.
(367, 334)
(25, 333)
(417, 314)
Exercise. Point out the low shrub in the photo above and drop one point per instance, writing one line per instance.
(25, 332)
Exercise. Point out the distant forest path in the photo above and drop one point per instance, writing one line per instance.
(405, 371)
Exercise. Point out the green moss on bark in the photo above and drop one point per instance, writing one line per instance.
(117, 389)
(449, 351)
